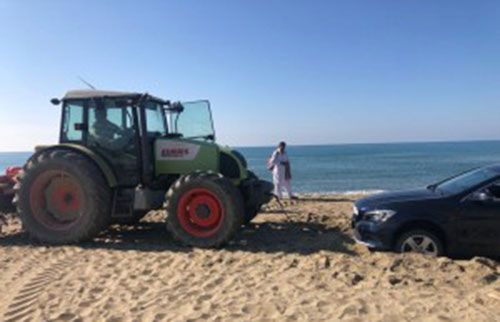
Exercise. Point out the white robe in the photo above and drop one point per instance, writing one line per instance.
(279, 178)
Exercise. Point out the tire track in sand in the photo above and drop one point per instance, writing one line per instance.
(24, 301)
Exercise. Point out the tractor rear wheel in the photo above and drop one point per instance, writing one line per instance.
(204, 210)
(62, 197)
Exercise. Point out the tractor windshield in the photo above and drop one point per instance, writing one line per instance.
(193, 121)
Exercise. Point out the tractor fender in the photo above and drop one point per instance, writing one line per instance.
(102, 164)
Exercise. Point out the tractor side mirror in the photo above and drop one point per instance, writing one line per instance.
(55, 101)
(175, 107)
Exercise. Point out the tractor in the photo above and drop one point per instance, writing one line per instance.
(122, 154)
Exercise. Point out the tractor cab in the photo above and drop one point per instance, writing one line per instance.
(142, 137)
(114, 125)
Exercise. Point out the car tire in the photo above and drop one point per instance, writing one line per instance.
(419, 241)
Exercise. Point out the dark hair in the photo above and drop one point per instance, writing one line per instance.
(282, 143)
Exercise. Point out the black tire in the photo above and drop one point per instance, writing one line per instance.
(420, 234)
(250, 214)
(221, 193)
(252, 211)
(62, 197)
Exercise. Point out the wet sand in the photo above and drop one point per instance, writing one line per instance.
(303, 266)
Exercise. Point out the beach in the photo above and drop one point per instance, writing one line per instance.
(299, 266)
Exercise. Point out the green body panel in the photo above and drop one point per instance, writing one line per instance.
(183, 156)
(100, 162)
(206, 156)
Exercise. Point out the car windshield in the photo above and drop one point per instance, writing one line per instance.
(195, 121)
(465, 181)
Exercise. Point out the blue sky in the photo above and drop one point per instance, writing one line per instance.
(308, 72)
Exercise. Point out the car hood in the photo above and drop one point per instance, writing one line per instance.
(385, 198)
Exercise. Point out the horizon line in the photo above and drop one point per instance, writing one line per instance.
(374, 143)
(339, 144)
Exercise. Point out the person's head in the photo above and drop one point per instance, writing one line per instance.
(100, 114)
(282, 146)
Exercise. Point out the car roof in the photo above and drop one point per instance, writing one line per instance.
(94, 93)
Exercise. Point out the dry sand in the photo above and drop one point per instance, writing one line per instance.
(302, 268)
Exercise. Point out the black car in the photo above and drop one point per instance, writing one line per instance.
(458, 216)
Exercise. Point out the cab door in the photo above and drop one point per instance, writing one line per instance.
(120, 149)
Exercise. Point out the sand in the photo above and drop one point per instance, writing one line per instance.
(300, 267)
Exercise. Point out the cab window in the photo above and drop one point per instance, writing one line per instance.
(155, 119)
(72, 122)
(110, 126)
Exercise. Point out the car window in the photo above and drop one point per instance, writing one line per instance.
(494, 190)
(466, 181)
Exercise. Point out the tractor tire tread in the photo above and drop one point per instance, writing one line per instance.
(229, 195)
(95, 188)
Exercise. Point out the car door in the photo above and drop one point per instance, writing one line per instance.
(477, 224)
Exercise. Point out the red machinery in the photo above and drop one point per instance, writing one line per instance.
(7, 182)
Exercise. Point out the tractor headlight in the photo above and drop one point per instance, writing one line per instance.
(379, 215)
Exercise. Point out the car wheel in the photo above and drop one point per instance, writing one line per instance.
(419, 241)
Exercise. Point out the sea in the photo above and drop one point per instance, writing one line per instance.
(352, 168)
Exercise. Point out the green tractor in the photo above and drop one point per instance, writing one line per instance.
(123, 154)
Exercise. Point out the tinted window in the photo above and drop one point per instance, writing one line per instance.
(466, 181)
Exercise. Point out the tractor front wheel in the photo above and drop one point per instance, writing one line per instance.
(204, 210)
(62, 197)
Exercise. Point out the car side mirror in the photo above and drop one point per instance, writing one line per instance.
(480, 196)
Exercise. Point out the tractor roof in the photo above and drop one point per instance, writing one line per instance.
(87, 94)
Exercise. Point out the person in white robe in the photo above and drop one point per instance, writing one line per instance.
(281, 170)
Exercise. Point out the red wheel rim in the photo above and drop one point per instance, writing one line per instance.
(56, 199)
(200, 212)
